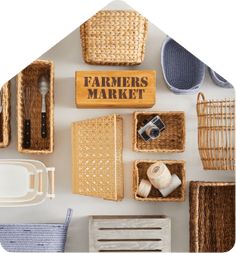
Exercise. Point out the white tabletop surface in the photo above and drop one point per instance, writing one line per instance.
(67, 57)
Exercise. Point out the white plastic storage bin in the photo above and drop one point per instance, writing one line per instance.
(25, 182)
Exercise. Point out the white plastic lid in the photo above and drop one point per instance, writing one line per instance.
(14, 180)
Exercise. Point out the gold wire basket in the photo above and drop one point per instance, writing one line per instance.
(114, 38)
(172, 139)
(216, 133)
(175, 167)
(97, 167)
(29, 77)
(5, 115)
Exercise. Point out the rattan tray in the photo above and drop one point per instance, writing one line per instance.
(97, 157)
(114, 38)
(172, 139)
(216, 133)
(29, 76)
(5, 128)
(212, 216)
(175, 167)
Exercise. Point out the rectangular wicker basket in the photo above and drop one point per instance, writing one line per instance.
(5, 116)
(216, 133)
(175, 167)
(44, 237)
(130, 233)
(114, 38)
(97, 167)
(172, 139)
(29, 76)
(212, 216)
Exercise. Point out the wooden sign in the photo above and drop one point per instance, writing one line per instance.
(115, 88)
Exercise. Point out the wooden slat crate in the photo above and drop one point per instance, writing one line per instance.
(129, 234)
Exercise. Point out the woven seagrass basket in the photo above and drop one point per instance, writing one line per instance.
(172, 139)
(29, 77)
(47, 237)
(97, 167)
(216, 133)
(212, 216)
(175, 167)
(5, 115)
(114, 38)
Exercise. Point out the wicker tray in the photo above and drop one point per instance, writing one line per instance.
(97, 167)
(114, 38)
(172, 139)
(35, 237)
(5, 128)
(175, 167)
(212, 216)
(133, 233)
(216, 133)
(30, 76)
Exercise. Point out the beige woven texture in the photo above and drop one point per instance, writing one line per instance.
(114, 38)
(5, 128)
(172, 139)
(29, 77)
(212, 216)
(175, 167)
(216, 133)
(97, 157)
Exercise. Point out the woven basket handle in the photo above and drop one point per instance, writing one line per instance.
(51, 182)
(200, 97)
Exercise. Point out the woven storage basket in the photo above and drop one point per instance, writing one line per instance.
(219, 80)
(35, 237)
(172, 139)
(212, 216)
(114, 38)
(29, 76)
(97, 157)
(175, 167)
(182, 71)
(216, 133)
(5, 115)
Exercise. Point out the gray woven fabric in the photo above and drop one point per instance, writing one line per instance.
(35, 237)
(182, 71)
(219, 80)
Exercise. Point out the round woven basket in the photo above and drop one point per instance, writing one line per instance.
(182, 71)
(219, 80)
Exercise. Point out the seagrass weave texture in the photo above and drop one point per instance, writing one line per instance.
(175, 167)
(29, 77)
(212, 216)
(5, 115)
(97, 157)
(45, 237)
(114, 38)
(216, 133)
(172, 139)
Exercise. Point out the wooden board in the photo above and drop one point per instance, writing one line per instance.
(212, 216)
(129, 233)
(126, 88)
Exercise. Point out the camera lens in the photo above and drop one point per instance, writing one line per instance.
(154, 132)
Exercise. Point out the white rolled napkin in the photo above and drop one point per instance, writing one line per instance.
(144, 188)
(174, 184)
(159, 175)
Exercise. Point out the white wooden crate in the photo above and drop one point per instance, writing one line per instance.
(129, 234)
